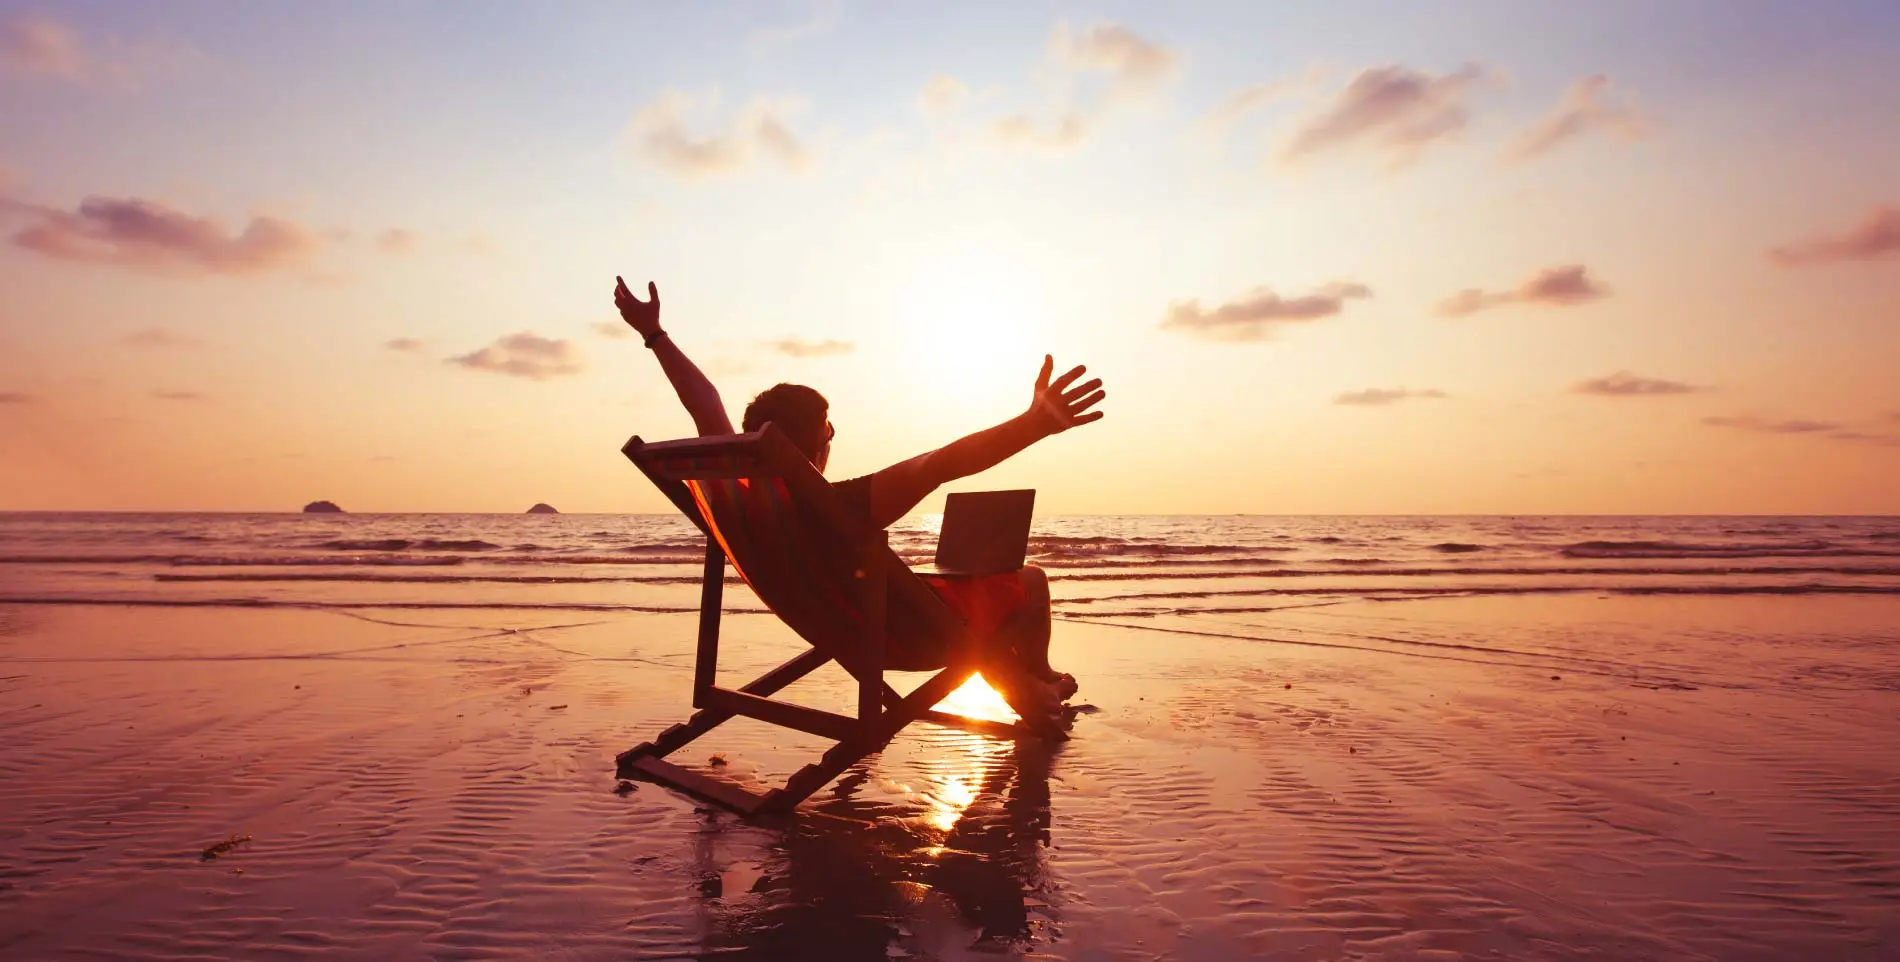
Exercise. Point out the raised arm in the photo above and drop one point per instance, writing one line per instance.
(1055, 408)
(695, 392)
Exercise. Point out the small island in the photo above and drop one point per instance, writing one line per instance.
(542, 507)
(322, 507)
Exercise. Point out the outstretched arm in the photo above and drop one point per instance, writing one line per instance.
(1055, 408)
(695, 392)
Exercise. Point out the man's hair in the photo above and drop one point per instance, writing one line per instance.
(798, 411)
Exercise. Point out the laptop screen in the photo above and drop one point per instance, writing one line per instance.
(985, 532)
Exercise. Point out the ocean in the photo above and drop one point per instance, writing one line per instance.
(1100, 566)
(1296, 737)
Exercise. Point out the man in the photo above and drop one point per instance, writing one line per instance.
(1008, 614)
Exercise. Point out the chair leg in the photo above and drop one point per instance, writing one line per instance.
(847, 753)
(877, 732)
(679, 736)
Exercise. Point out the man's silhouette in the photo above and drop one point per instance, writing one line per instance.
(1008, 613)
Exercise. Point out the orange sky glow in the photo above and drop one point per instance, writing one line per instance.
(1328, 257)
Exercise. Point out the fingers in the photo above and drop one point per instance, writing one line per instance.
(1093, 383)
(1062, 383)
(1048, 366)
(1077, 407)
(1086, 418)
(653, 292)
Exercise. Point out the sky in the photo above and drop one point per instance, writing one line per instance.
(1485, 257)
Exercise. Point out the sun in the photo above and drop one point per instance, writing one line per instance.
(972, 326)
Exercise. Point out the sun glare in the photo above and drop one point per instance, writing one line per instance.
(972, 325)
(976, 699)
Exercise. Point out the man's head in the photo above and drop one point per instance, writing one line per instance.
(801, 415)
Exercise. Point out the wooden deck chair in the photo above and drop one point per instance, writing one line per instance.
(829, 576)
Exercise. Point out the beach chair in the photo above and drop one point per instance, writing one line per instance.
(831, 577)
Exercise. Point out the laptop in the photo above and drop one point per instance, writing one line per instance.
(985, 532)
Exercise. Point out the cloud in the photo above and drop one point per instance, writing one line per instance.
(1379, 397)
(405, 344)
(793, 347)
(1066, 133)
(1749, 422)
(35, 45)
(1862, 437)
(1136, 66)
(1248, 99)
(160, 338)
(1625, 384)
(1563, 286)
(661, 137)
(16, 397)
(1393, 109)
(178, 395)
(526, 355)
(942, 94)
(1252, 318)
(1826, 430)
(615, 331)
(1583, 108)
(1877, 235)
(395, 240)
(142, 234)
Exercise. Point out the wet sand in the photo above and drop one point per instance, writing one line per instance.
(1566, 777)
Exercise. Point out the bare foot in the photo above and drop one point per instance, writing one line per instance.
(1063, 682)
(1038, 702)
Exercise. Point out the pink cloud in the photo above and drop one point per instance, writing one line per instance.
(1625, 384)
(16, 397)
(141, 234)
(36, 45)
(1749, 422)
(1827, 430)
(1393, 109)
(1065, 133)
(1876, 235)
(609, 329)
(159, 337)
(1135, 65)
(1563, 286)
(526, 355)
(1252, 318)
(662, 138)
(1585, 107)
(1379, 397)
(405, 344)
(793, 347)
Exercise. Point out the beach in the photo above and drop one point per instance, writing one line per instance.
(389, 737)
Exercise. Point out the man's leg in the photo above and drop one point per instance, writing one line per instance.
(1025, 635)
(1027, 629)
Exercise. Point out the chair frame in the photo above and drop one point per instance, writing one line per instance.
(881, 711)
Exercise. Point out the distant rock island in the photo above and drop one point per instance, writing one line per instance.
(322, 507)
(542, 508)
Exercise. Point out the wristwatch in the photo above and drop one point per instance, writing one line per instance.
(650, 338)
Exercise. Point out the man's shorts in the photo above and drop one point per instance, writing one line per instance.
(983, 603)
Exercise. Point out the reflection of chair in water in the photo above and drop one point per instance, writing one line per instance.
(849, 887)
(832, 579)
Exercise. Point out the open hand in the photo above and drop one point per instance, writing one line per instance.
(642, 316)
(1058, 407)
